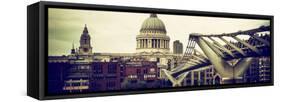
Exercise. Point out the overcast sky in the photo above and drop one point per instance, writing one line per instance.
(115, 32)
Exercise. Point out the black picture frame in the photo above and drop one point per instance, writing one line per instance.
(37, 51)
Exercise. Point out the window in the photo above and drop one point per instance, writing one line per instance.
(97, 68)
(158, 60)
(138, 71)
(145, 71)
(132, 76)
(111, 68)
(152, 70)
(85, 41)
(110, 85)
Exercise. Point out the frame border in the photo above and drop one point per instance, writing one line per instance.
(43, 45)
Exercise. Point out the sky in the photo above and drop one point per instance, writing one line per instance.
(115, 32)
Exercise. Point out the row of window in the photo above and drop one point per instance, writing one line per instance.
(111, 68)
(144, 76)
(145, 71)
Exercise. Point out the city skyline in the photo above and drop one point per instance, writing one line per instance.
(107, 35)
(95, 51)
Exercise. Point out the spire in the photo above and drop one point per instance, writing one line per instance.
(73, 49)
(72, 45)
(85, 31)
(153, 15)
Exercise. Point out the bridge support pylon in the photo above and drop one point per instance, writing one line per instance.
(226, 71)
(176, 82)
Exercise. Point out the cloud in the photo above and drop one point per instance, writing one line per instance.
(116, 31)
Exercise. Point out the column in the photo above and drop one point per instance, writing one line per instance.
(141, 43)
(149, 43)
(138, 44)
(162, 43)
(168, 44)
(154, 43)
(144, 46)
(165, 43)
(146, 43)
(158, 43)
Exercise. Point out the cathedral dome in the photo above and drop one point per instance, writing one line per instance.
(152, 37)
(153, 25)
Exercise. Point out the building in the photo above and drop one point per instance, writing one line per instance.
(86, 71)
(141, 70)
(265, 70)
(56, 79)
(153, 43)
(259, 71)
(203, 76)
(78, 76)
(85, 43)
(140, 74)
(79, 72)
(177, 47)
(152, 37)
(105, 76)
(252, 73)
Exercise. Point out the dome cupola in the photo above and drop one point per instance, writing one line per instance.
(153, 25)
(152, 38)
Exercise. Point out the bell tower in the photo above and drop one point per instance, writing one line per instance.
(85, 43)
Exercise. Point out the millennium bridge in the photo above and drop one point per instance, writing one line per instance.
(214, 52)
